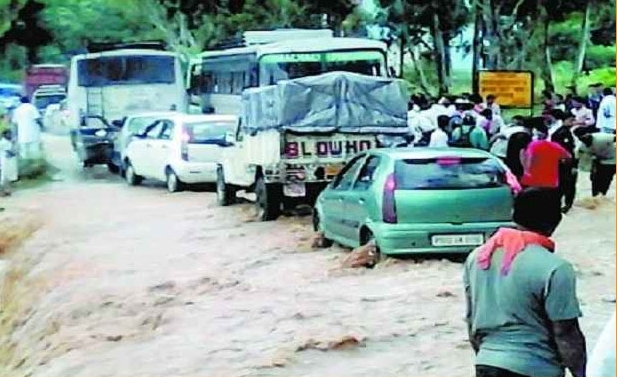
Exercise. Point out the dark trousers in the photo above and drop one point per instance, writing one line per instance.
(489, 371)
(568, 175)
(601, 178)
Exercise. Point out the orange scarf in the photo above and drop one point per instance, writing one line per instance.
(513, 241)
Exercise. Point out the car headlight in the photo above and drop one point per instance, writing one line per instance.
(100, 133)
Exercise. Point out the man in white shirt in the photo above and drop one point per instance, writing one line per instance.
(491, 104)
(606, 112)
(439, 137)
(583, 116)
(27, 120)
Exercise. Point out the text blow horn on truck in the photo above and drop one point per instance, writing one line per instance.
(294, 137)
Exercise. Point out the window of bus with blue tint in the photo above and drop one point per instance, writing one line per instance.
(277, 67)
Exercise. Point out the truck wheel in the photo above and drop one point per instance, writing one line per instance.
(225, 195)
(131, 177)
(268, 200)
(318, 227)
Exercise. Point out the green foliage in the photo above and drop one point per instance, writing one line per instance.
(600, 56)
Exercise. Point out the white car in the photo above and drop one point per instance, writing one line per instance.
(179, 150)
(133, 125)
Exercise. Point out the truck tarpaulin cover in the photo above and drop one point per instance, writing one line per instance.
(332, 102)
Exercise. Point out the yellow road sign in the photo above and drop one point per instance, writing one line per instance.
(512, 88)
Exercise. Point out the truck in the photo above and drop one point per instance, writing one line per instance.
(295, 136)
(44, 74)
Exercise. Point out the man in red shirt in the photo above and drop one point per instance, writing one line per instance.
(541, 160)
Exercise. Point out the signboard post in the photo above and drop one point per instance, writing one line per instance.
(513, 89)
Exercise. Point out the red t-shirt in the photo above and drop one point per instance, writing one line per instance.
(542, 168)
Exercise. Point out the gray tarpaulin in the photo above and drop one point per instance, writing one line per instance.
(332, 102)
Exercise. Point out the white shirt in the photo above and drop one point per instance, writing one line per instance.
(606, 113)
(554, 127)
(602, 360)
(419, 123)
(439, 139)
(584, 115)
(494, 108)
(25, 117)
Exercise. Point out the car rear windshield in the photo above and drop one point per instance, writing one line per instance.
(448, 173)
(204, 132)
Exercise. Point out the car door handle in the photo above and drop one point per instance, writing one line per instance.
(164, 147)
(361, 201)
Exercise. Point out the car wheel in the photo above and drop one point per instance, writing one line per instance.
(173, 182)
(131, 177)
(318, 227)
(225, 195)
(268, 200)
(379, 257)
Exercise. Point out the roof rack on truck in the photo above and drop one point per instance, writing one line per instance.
(94, 47)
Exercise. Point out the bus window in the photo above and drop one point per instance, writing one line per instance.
(118, 70)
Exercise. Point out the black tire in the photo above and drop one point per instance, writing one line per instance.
(225, 194)
(268, 201)
(368, 238)
(131, 177)
(317, 227)
(174, 184)
(113, 168)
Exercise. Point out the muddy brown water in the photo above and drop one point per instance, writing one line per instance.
(137, 281)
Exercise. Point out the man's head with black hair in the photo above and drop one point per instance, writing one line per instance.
(608, 92)
(518, 120)
(24, 99)
(487, 113)
(443, 121)
(535, 210)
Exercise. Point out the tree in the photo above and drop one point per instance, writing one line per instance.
(414, 21)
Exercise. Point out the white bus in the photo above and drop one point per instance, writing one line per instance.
(120, 82)
(269, 57)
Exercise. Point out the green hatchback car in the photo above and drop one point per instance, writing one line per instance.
(416, 200)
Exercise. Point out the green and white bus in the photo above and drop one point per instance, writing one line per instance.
(217, 78)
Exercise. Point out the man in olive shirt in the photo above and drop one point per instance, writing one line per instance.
(522, 310)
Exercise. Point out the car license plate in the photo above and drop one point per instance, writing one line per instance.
(458, 240)
(294, 190)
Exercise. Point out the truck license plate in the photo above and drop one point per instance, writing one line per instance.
(294, 190)
(458, 240)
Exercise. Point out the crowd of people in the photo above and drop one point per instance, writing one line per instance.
(540, 151)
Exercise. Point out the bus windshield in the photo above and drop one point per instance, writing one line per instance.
(277, 67)
(126, 70)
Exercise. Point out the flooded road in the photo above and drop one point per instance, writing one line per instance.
(127, 281)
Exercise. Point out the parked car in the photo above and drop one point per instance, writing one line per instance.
(179, 150)
(416, 200)
(93, 142)
(134, 125)
(10, 95)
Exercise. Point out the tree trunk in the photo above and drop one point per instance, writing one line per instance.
(582, 47)
(488, 34)
(418, 68)
(440, 55)
(477, 46)
(547, 69)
